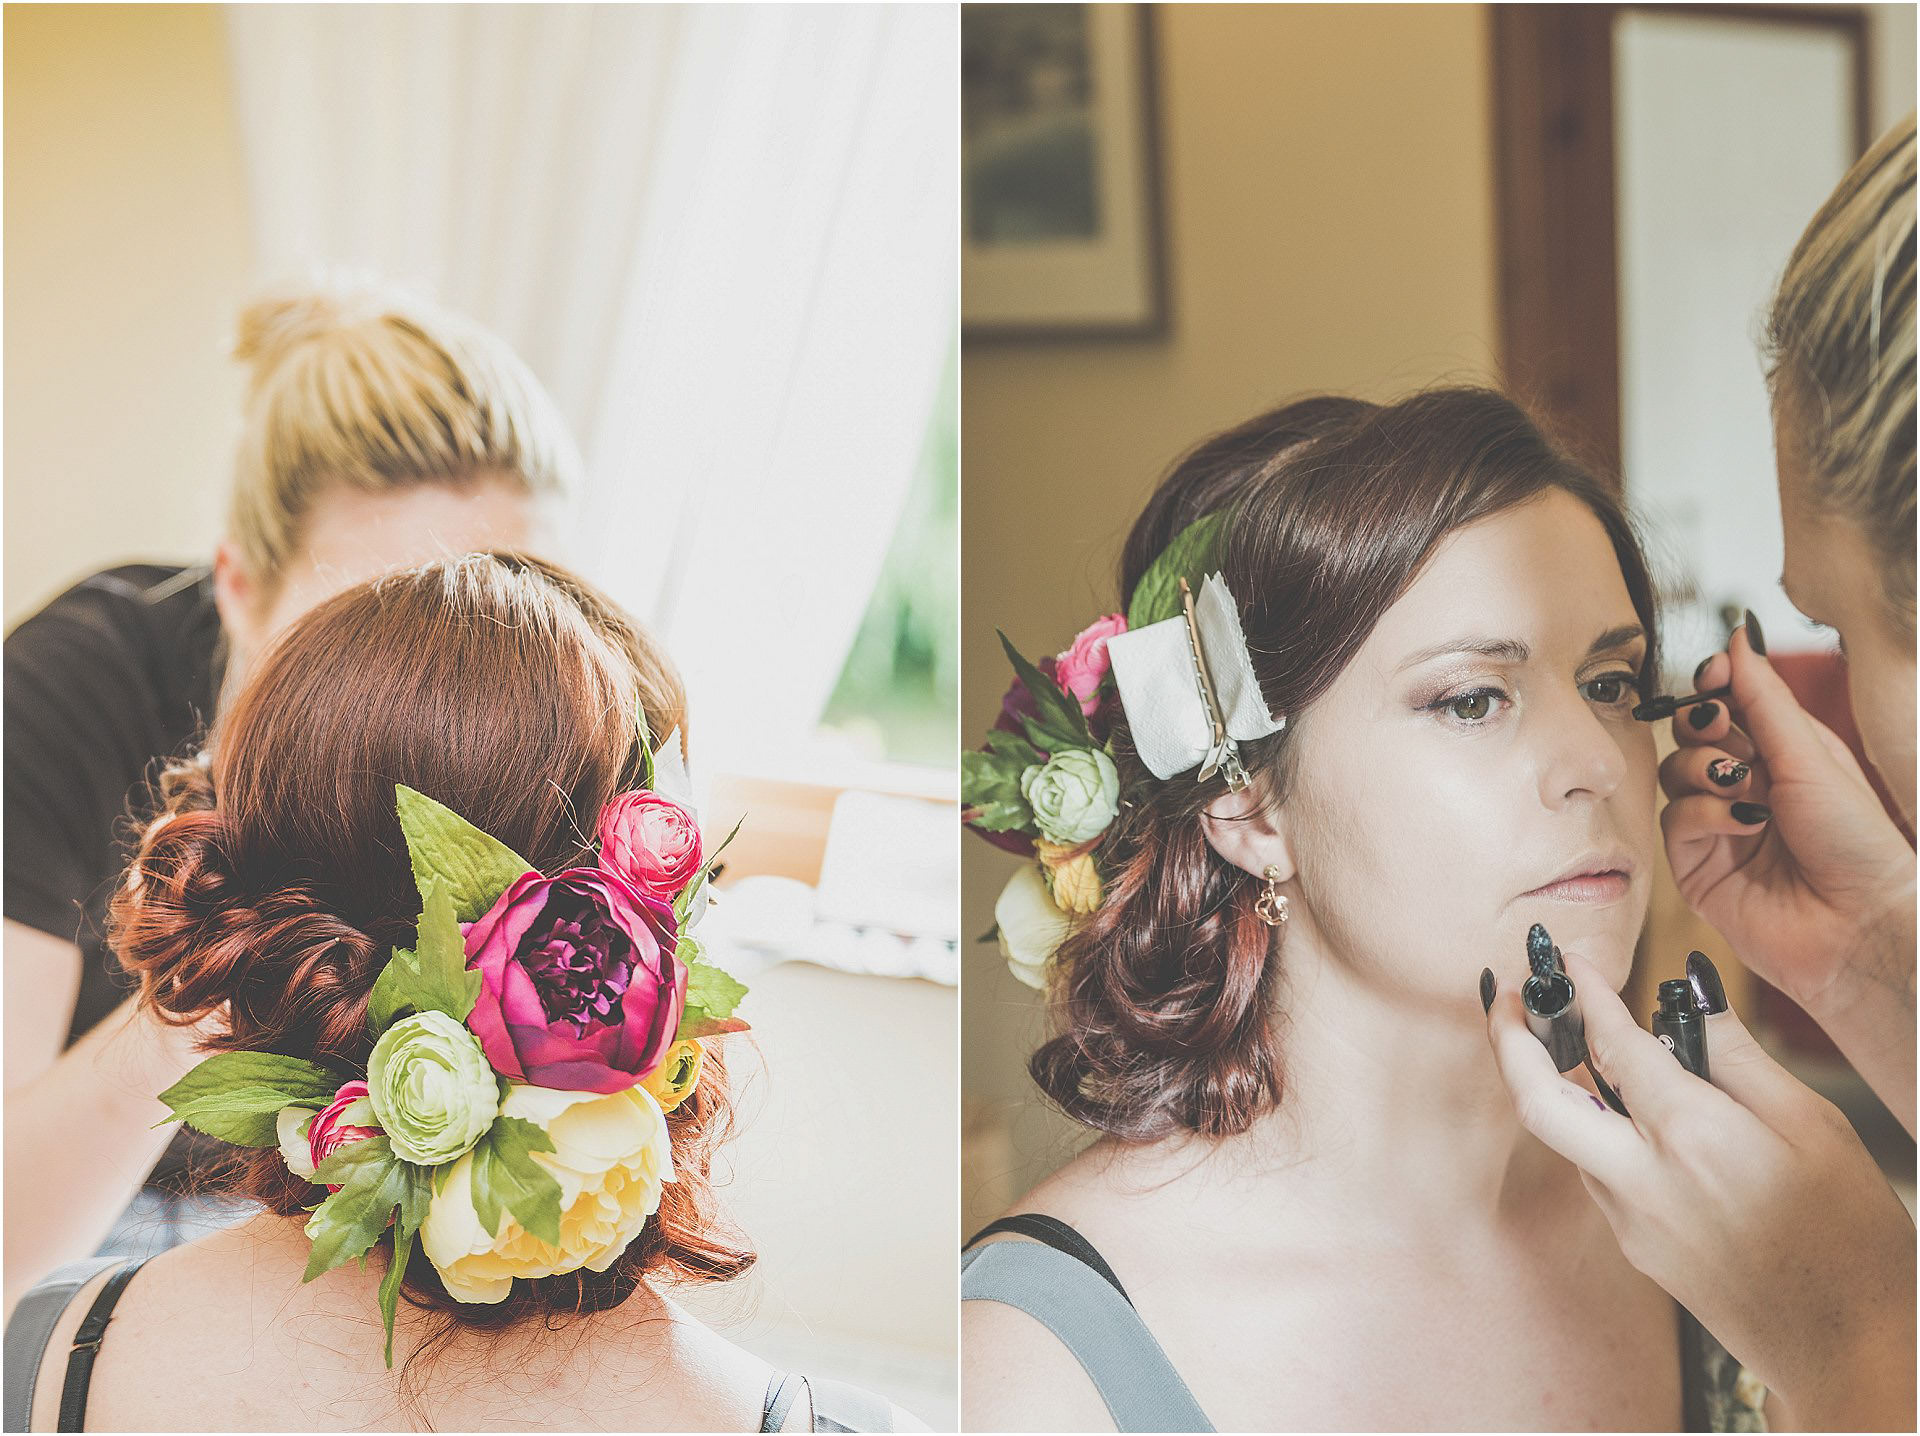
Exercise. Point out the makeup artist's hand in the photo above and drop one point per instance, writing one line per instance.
(1777, 840)
(1750, 1200)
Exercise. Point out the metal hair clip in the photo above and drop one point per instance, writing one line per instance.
(1224, 755)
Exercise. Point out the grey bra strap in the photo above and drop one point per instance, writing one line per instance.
(1142, 1390)
(30, 1328)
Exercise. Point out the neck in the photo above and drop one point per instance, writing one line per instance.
(1393, 1113)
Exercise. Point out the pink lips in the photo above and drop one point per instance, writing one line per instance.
(1588, 887)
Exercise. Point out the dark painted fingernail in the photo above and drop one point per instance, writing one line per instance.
(1705, 977)
(1701, 715)
(1751, 812)
(1755, 638)
(1487, 989)
(1701, 671)
(1727, 771)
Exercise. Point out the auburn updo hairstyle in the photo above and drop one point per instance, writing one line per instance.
(274, 884)
(1164, 1011)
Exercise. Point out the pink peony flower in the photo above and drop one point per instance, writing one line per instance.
(327, 1133)
(650, 841)
(580, 988)
(1080, 669)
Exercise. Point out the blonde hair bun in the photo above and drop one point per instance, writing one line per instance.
(362, 384)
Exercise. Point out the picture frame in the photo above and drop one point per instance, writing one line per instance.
(1061, 231)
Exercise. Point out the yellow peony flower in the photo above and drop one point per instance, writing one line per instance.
(1075, 880)
(673, 1081)
(610, 1156)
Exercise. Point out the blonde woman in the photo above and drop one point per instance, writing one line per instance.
(1751, 1200)
(377, 433)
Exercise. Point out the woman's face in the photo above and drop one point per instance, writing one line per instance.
(1478, 751)
(1831, 576)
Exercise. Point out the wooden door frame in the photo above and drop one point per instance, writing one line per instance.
(1555, 202)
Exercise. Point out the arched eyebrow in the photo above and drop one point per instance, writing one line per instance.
(1514, 650)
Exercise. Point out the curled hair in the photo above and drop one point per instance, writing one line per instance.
(1166, 1009)
(271, 889)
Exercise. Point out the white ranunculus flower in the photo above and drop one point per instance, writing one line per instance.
(291, 1124)
(611, 1155)
(1031, 925)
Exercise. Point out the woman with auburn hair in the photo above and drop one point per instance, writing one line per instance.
(1818, 899)
(541, 1086)
(378, 432)
(1365, 728)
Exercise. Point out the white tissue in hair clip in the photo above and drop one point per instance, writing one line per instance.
(1154, 671)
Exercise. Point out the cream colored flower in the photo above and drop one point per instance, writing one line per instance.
(291, 1124)
(1031, 925)
(611, 1157)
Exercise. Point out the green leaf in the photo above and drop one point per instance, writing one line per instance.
(475, 867)
(712, 997)
(505, 1176)
(415, 1197)
(683, 901)
(1013, 748)
(646, 742)
(372, 1183)
(433, 977)
(1192, 555)
(235, 1096)
(1061, 722)
(990, 789)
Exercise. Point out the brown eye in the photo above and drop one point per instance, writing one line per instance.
(1471, 707)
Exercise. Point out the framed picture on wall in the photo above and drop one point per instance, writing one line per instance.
(1060, 204)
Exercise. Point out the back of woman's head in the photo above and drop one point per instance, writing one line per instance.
(276, 882)
(1840, 342)
(363, 386)
(1166, 1000)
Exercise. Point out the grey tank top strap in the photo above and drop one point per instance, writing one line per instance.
(31, 1326)
(1095, 1322)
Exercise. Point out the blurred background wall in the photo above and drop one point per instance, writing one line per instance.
(1331, 191)
(723, 238)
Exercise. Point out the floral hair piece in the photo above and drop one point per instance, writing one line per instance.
(526, 1051)
(1045, 785)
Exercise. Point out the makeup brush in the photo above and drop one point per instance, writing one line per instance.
(1668, 704)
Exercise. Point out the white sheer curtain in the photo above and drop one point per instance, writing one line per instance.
(724, 236)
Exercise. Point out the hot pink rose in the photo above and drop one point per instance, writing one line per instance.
(327, 1134)
(1085, 662)
(650, 841)
(579, 986)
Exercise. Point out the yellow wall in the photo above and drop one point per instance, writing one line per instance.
(1328, 182)
(127, 257)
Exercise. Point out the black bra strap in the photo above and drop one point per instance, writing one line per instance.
(86, 1346)
(1051, 1231)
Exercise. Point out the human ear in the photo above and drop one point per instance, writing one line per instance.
(236, 595)
(1249, 831)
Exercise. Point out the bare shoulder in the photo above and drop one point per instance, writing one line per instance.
(1016, 1376)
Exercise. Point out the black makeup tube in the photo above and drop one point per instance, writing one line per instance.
(1682, 1027)
(1547, 995)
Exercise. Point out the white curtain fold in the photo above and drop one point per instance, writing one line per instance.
(724, 237)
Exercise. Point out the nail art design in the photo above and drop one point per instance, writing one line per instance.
(1707, 988)
(1727, 771)
(1754, 636)
(1751, 813)
(1488, 987)
(1702, 715)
